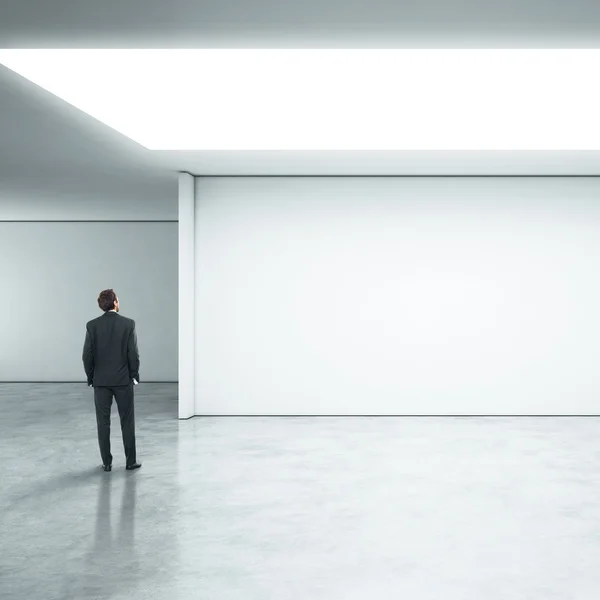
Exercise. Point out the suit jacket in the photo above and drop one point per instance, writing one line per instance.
(110, 352)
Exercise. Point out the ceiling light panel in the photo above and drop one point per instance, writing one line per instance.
(330, 99)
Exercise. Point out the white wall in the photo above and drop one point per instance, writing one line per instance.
(57, 256)
(48, 205)
(351, 296)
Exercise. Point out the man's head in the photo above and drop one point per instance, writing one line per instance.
(108, 300)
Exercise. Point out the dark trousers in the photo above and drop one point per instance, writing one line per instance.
(103, 397)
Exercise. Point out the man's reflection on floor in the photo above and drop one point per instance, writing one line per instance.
(112, 563)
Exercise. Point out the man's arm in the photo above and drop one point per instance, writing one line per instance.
(133, 356)
(88, 357)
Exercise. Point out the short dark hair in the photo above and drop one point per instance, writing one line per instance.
(106, 300)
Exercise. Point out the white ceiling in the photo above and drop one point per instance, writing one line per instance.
(46, 144)
(309, 23)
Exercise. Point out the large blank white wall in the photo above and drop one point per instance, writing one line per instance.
(399, 296)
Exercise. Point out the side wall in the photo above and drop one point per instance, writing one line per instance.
(57, 257)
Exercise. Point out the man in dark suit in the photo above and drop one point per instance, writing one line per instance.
(112, 364)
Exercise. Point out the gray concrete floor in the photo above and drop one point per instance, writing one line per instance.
(294, 508)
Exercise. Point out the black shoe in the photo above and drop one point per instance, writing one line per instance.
(107, 467)
(133, 466)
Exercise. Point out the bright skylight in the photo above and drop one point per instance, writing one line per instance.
(330, 99)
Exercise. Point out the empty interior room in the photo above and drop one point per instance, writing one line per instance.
(300, 304)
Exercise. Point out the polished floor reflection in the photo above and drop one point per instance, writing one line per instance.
(293, 508)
